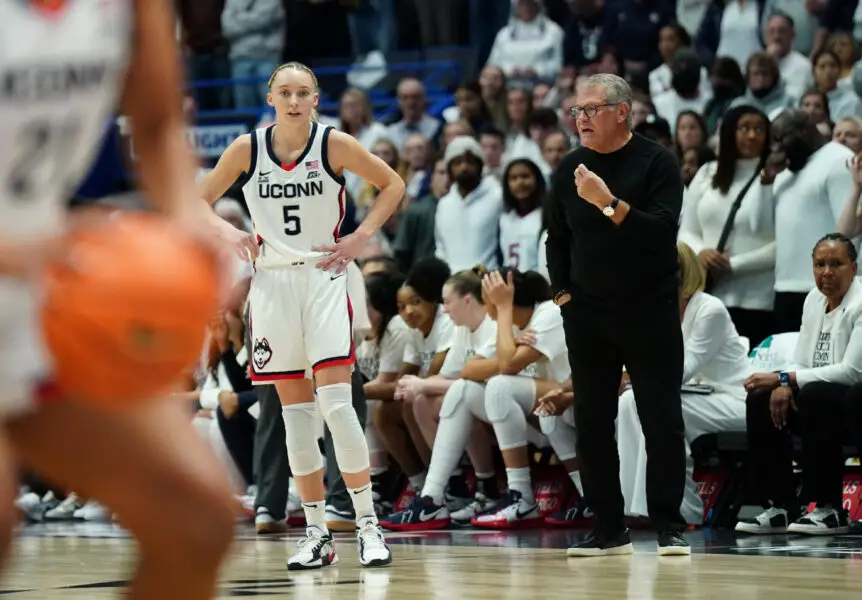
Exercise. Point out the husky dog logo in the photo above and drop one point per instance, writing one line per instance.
(262, 353)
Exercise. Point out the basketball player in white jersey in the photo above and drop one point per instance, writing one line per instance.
(64, 67)
(300, 312)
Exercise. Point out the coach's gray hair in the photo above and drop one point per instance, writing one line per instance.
(617, 90)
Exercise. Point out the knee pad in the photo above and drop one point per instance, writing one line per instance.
(348, 439)
(548, 424)
(452, 399)
(300, 425)
(498, 401)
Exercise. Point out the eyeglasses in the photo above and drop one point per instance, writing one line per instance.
(591, 111)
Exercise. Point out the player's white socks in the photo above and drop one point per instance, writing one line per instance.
(315, 515)
(462, 400)
(363, 503)
(519, 480)
(575, 476)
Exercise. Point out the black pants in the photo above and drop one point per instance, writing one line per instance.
(788, 311)
(828, 415)
(648, 341)
(770, 453)
(238, 434)
(271, 468)
(756, 325)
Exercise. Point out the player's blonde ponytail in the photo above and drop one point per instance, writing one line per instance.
(298, 67)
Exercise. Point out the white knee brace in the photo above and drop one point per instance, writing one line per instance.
(300, 425)
(348, 439)
(470, 394)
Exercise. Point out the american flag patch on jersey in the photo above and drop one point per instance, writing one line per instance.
(311, 165)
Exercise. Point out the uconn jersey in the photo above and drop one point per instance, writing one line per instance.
(519, 239)
(294, 207)
(60, 74)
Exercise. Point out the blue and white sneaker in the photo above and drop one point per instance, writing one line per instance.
(421, 515)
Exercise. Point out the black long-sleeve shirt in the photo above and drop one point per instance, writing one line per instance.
(613, 265)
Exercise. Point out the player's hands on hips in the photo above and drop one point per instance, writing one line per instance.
(499, 292)
(342, 252)
(592, 188)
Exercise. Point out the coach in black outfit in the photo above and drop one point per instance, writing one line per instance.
(612, 259)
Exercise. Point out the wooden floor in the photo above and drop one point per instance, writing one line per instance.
(92, 561)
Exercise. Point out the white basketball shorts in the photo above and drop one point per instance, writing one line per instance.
(25, 365)
(300, 322)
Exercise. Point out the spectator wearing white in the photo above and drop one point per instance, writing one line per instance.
(740, 30)
(519, 109)
(356, 118)
(844, 47)
(743, 269)
(850, 221)
(452, 130)
(493, 143)
(429, 339)
(671, 38)
(530, 47)
(848, 132)
(805, 186)
(686, 92)
(414, 119)
(554, 147)
(803, 13)
(524, 192)
(475, 334)
(816, 104)
(466, 228)
(255, 31)
(811, 399)
(492, 82)
(765, 89)
(795, 67)
(715, 367)
(417, 159)
(843, 101)
(486, 395)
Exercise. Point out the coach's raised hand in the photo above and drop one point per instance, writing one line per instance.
(592, 188)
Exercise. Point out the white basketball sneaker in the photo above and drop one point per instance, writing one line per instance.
(373, 550)
(314, 551)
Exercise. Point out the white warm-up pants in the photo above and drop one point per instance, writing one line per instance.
(703, 414)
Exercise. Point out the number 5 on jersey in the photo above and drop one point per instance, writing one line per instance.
(292, 223)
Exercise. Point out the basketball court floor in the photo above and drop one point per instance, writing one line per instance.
(91, 561)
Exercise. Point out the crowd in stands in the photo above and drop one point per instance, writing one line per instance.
(760, 103)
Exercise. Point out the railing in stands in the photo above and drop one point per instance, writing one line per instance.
(382, 101)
